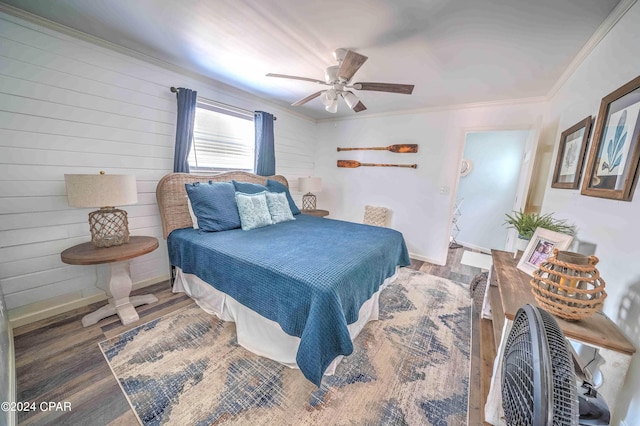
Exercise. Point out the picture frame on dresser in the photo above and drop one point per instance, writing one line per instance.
(612, 169)
(540, 247)
(571, 153)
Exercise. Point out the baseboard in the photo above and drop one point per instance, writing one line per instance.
(475, 247)
(427, 259)
(27, 316)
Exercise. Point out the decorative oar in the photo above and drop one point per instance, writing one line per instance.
(399, 148)
(352, 164)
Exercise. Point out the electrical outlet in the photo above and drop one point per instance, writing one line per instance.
(445, 190)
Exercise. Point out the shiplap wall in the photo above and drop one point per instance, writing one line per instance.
(68, 105)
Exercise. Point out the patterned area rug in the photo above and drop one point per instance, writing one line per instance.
(409, 368)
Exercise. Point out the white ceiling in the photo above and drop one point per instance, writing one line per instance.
(454, 51)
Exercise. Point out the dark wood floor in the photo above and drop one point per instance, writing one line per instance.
(58, 360)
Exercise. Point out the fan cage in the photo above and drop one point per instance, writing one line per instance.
(539, 384)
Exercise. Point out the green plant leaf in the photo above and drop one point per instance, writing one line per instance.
(527, 223)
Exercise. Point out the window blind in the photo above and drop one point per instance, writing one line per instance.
(223, 139)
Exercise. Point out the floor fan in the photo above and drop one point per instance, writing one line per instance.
(539, 377)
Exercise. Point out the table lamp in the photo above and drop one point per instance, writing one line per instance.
(108, 225)
(309, 185)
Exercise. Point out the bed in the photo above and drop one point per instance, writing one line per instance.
(299, 291)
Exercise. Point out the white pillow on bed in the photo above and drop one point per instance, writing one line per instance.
(253, 209)
(279, 207)
(194, 218)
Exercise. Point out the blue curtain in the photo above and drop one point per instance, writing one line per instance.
(184, 128)
(265, 158)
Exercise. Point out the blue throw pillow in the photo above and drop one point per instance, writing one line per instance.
(249, 188)
(275, 186)
(278, 207)
(214, 204)
(253, 209)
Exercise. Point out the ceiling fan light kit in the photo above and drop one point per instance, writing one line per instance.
(339, 77)
(329, 99)
(351, 99)
(332, 107)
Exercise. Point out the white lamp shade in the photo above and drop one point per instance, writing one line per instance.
(351, 99)
(328, 97)
(101, 190)
(310, 184)
(332, 107)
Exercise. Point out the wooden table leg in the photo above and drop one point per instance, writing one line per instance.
(118, 289)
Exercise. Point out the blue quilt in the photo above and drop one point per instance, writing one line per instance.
(310, 275)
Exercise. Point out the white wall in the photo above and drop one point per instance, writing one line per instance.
(613, 226)
(419, 210)
(490, 188)
(71, 106)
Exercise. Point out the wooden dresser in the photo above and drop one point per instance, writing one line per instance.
(509, 290)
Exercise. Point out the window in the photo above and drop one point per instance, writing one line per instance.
(223, 139)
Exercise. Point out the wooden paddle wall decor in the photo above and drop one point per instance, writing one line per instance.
(352, 164)
(399, 148)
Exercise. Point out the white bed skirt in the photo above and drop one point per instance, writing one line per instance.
(258, 334)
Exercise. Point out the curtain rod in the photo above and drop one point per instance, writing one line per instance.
(175, 90)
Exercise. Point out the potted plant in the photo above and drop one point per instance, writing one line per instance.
(526, 224)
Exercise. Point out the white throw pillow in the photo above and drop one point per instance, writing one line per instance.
(194, 218)
(279, 207)
(253, 209)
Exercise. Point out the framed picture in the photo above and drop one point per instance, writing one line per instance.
(612, 169)
(573, 146)
(540, 247)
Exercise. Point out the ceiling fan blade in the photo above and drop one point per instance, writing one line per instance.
(404, 89)
(307, 99)
(351, 63)
(293, 77)
(359, 107)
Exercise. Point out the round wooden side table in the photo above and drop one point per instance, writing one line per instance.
(119, 282)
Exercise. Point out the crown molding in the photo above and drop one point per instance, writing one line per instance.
(487, 104)
(616, 14)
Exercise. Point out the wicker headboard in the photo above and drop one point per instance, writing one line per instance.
(172, 196)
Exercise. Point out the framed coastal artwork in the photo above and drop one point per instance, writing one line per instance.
(540, 247)
(612, 169)
(570, 158)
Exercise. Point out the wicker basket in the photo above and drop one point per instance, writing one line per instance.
(569, 286)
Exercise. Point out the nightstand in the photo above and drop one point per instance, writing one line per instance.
(119, 285)
(318, 213)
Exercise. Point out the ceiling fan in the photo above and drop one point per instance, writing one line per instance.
(338, 78)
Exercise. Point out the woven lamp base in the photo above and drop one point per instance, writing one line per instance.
(109, 227)
(308, 201)
(569, 286)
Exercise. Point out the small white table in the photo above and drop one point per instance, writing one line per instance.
(118, 285)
